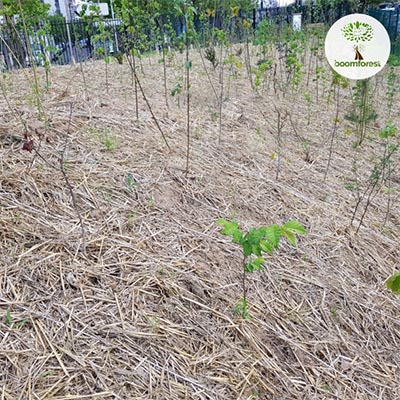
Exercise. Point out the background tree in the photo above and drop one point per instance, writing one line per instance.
(21, 17)
(33, 11)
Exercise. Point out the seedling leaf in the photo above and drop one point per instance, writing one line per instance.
(229, 227)
(295, 227)
(393, 283)
(241, 308)
(248, 267)
(290, 236)
(273, 233)
(254, 235)
(176, 90)
(247, 248)
(267, 247)
(8, 318)
(389, 131)
(256, 249)
(257, 263)
(237, 236)
(20, 323)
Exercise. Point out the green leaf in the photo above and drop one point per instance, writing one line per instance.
(177, 89)
(248, 267)
(241, 308)
(393, 283)
(251, 236)
(389, 131)
(8, 317)
(256, 264)
(247, 248)
(267, 247)
(273, 233)
(246, 315)
(237, 236)
(392, 148)
(256, 249)
(237, 310)
(21, 323)
(295, 227)
(188, 64)
(290, 236)
(229, 227)
(254, 235)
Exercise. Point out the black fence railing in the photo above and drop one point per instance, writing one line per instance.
(59, 43)
(76, 41)
(80, 40)
(390, 19)
(310, 13)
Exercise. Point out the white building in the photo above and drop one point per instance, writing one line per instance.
(274, 3)
(58, 7)
(68, 8)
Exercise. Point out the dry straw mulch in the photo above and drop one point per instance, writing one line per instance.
(147, 311)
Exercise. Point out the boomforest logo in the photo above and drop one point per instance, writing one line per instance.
(357, 46)
(358, 32)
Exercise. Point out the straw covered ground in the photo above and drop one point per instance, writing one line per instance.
(146, 311)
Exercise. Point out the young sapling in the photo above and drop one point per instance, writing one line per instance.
(381, 171)
(255, 243)
(363, 111)
(338, 82)
(393, 86)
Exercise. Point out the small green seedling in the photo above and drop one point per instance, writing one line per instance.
(177, 91)
(131, 218)
(13, 324)
(8, 318)
(307, 97)
(150, 201)
(307, 148)
(255, 243)
(131, 182)
(109, 141)
(393, 283)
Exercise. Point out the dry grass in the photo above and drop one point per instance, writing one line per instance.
(147, 311)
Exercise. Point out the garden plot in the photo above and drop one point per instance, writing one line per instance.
(142, 305)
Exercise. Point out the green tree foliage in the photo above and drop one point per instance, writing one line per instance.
(32, 11)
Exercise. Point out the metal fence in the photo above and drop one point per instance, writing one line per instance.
(61, 42)
(390, 19)
(79, 40)
(310, 13)
(58, 43)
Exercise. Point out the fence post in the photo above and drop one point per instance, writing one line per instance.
(70, 43)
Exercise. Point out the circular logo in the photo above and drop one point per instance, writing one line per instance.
(357, 46)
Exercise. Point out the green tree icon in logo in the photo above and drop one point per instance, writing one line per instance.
(358, 32)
